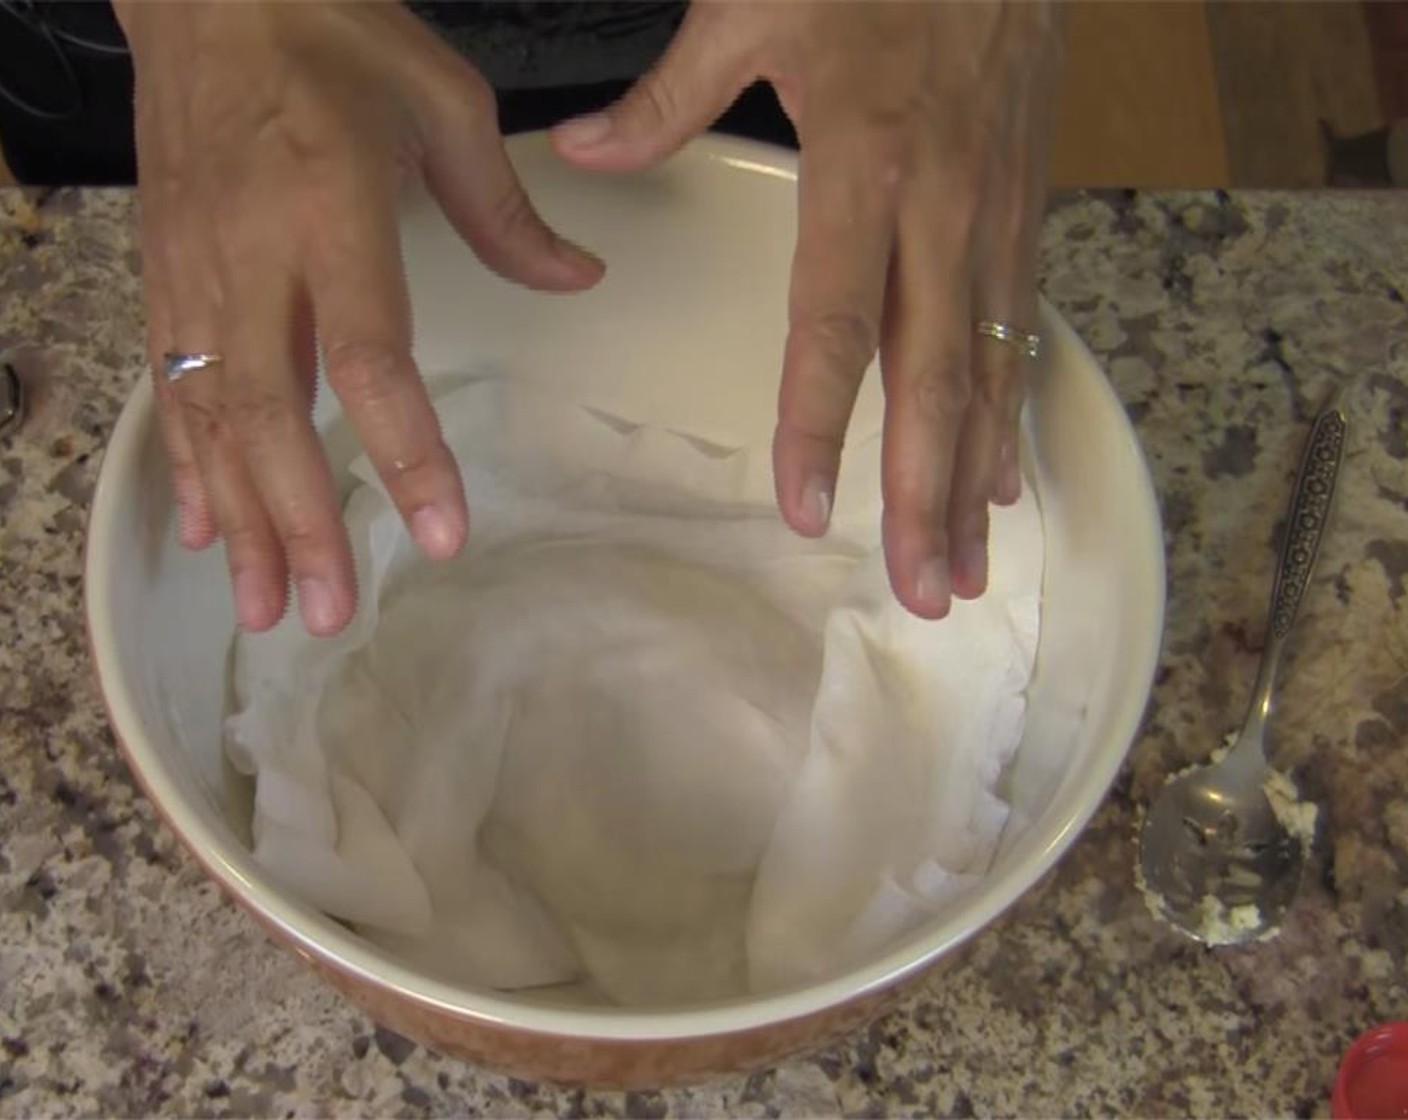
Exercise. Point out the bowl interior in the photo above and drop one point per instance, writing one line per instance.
(687, 330)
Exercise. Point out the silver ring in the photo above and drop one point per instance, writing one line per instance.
(1028, 344)
(178, 365)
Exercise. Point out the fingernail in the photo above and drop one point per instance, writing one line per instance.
(816, 504)
(435, 532)
(584, 132)
(973, 565)
(934, 591)
(316, 604)
(251, 601)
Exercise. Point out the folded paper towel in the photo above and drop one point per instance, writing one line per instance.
(639, 739)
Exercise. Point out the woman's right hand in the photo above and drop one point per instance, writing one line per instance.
(271, 141)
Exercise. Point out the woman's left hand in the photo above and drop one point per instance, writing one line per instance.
(924, 134)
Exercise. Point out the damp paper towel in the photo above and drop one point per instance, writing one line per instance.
(639, 738)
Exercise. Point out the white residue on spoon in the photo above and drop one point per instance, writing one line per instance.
(1218, 923)
(1296, 816)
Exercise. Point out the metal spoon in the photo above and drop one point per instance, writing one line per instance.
(1219, 858)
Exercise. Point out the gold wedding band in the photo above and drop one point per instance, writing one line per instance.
(1027, 343)
(179, 364)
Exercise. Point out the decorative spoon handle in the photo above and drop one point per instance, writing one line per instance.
(1306, 517)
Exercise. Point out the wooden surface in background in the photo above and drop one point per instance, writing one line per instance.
(1281, 69)
(1138, 104)
(1387, 23)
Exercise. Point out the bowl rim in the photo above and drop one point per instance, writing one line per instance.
(311, 934)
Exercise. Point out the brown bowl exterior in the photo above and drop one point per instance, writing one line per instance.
(606, 1063)
(560, 1059)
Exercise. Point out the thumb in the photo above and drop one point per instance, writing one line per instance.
(469, 172)
(700, 75)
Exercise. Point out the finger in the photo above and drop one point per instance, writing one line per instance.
(215, 493)
(1001, 372)
(363, 315)
(196, 525)
(266, 399)
(253, 553)
(1010, 232)
(191, 261)
(1008, 487)
(304, 348)
(252, 550)
(844, 241)
(988, 464)
(987, 467)
(700, 75)
(925, 357)
(975, 476)
(1005, 292)
(468, 171)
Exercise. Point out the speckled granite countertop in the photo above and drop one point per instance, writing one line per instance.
(129, 986)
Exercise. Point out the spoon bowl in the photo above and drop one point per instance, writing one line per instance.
(1216, 860)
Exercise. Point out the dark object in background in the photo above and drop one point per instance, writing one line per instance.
(11, 398)
(755, 115)
(66, 78)
(1378, 158)
(536, 44)
(65, 93)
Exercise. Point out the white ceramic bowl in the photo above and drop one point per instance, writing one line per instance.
(691, 319)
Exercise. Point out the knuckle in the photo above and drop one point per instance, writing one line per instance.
(465, 114)
(185, 477)
(892, 152)
(366, 372)
(942, 393)
(969, 515)
(466, 98)
(511, 212)
(411, 466)
(303, 125)
(306, 538)
(205, 419)
(916, 500)
(258, 415)
(480, 102)
(246, 543)
(846, 336)
(659, 98)
(999, 385)
(796, 428)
